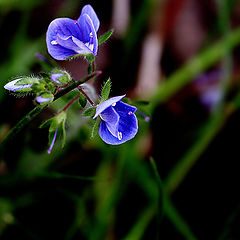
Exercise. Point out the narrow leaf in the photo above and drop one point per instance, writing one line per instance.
(95, 127)
(63, 133)
(27, 80)
(103, 38)
(90, 112)
(46, 123)
(106, 90)
(82, 101)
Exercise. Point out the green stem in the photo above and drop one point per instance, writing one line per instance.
(15, 179)
(38, 109)
(194, 67)
(160, 196)
(179, 172)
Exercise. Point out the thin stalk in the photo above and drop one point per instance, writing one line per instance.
(70, 103)
(86, 96)
(160, 196)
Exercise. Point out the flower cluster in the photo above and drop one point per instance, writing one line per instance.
(67, 38)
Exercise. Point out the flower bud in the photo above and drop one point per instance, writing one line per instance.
(44, 98)
(21, 85)
(60, 77)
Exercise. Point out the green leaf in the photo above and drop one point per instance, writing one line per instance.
(95, 127)
(106, 90)
(27, 80)
(90, 112)
(63, 133)
(46, 123)
(103, 38)
(82, 101)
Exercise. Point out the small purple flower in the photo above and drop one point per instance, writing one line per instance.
(119, 123)
(67, 37)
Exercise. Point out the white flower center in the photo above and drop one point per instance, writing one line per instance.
(54, 42)
(119, 136)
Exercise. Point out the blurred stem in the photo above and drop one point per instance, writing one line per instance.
(217, 121)
(195, 66)
(15, 179)
(160, 195)
(38, 109)
(177, 220)
(141, 224)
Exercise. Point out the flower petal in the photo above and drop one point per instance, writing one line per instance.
(123, 107)
(82, 47)
(128, 127)
(64, 27)
(111, 118)
(89, 35)
(91, 13)
(102, 106)
(67, 42)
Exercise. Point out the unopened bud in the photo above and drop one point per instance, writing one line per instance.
(45, 98)
(60, 77)
(21, 84)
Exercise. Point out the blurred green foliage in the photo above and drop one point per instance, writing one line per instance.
(91, 190)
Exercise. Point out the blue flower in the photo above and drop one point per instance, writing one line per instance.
(119, 123)
(67, 37)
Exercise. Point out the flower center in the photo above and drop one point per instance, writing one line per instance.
(119, 136)
(54, 42)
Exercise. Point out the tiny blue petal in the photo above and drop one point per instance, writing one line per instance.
(111, 101)
(52, 143)
(119, 123)
(14, 88)
(66, 37)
